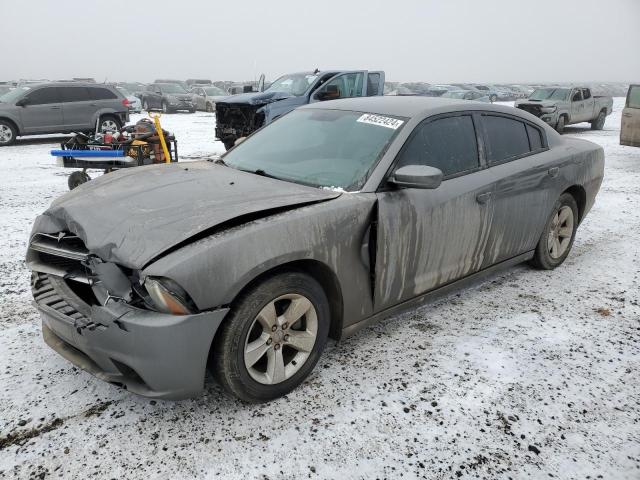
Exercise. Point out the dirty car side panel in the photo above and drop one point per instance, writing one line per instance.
(215, 269)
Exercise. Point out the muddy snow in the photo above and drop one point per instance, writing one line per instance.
(529, 374)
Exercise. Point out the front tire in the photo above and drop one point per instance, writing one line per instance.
(273, 338)
(77, 178)
(561, 124)
(598, 123)
(558, 235)
(7, 133)
(145, 106)
(165, 108)
(209, 108)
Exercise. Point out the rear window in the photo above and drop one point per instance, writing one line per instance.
(535, 138)
(99, 93)
(73, 94)
(634, 97)
(506, 138)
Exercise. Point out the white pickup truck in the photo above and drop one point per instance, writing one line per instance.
(561, 106)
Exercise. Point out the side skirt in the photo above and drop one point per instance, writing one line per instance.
(437, 293)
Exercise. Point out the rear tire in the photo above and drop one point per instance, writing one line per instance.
(145, 106)
(598, 123)
(8, 133)
(267, 347)
(77, 178)
(209, 108)
(561, 124)
(558, 234)
(109, 123)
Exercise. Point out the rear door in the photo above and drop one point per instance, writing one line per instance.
(428, 238)
(375, 84)
(526, 185)
(43, 112)
(630, 128)
(76, 107)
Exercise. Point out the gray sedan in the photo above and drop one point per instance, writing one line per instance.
(336, 215)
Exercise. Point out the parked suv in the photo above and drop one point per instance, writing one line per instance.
(630, 126)
(60, 108)
(169, 97)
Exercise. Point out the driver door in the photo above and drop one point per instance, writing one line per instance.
(43, 111)
(429, 238)
(577, 106)
(348, 85)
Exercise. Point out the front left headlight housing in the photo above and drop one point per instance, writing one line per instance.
(167, 296)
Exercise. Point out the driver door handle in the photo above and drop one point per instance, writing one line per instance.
(483, 198)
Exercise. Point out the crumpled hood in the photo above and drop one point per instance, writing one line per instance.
(261, 98)
(542, 103)
(132, 216)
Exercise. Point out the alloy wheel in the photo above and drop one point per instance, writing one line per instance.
(6, 134)
(560, 232)
(109, 125)
(280, 339)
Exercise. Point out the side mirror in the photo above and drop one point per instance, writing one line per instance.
(330, 92)
(417, 176)
(23, 102)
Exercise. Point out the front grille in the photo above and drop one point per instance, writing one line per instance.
(244, 119)
(46, 295)
(63, 255)
(532, 109)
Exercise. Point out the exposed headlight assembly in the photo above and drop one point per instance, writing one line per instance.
(168, 296)
(548, 109)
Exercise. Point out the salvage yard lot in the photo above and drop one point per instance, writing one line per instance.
(529, 374)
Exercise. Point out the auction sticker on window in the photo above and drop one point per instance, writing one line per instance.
(381, 121)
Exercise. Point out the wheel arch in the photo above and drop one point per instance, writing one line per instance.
(320, 272)
(580, 196)
(13, 123)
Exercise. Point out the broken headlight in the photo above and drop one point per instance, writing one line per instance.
(168, 296)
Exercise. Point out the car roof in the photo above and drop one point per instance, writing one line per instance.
(410, 106)
(66, 84)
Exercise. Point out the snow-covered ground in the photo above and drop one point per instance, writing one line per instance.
(530, 374)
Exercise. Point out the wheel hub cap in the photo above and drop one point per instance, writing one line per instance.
(280, 339)
(560, 232)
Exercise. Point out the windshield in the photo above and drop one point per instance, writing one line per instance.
(172, 88)
(214, 91)
(322, 148)
(550, 94)
(14, 94)
(296, 84)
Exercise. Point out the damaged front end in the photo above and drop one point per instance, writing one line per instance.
(235, 121)
(144, 334)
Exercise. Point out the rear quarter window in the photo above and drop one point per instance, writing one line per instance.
(73, 94)
(535, 138)
(506, 138)
(99, 93)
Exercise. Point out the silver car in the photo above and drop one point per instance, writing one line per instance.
(59, 107)
(333, 216)
(206, 96)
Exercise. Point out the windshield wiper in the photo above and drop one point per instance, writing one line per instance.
(260, 172)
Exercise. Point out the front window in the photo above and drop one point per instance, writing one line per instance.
(14, 94)
(295, 85)
(550, 94)
(173, 88)
(321, 148)
(214, 91)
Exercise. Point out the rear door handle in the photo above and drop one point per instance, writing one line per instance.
(483, 198)
(55, 108)
(553, 172)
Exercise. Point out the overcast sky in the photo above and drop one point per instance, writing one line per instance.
(422, 40)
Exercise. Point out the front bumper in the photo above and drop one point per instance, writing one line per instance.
(149, 353)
